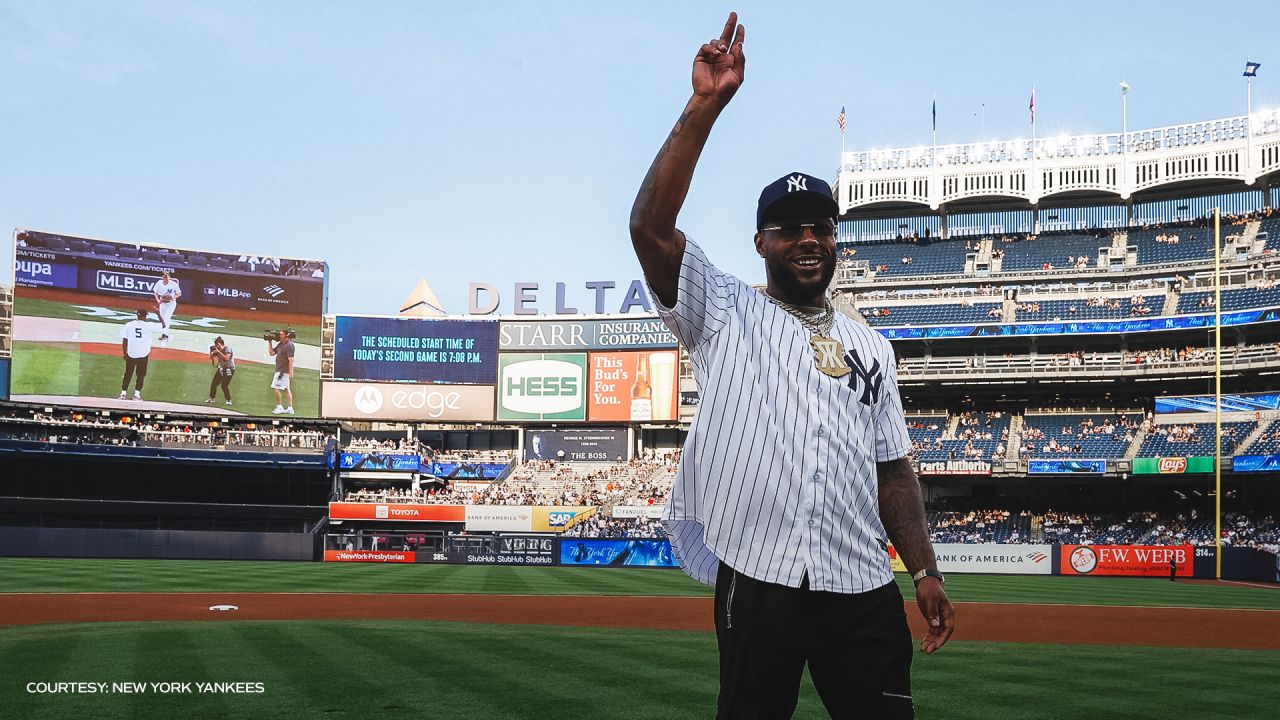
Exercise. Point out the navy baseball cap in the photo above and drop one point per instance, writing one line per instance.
(796, 191)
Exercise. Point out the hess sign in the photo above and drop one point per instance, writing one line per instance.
(549, 387)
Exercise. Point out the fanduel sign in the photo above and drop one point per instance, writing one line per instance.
(484, 299)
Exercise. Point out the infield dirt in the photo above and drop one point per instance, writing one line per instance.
(996, 622)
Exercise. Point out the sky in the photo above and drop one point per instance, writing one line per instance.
(503, 142)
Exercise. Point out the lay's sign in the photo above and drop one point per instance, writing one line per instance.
(1172, 465)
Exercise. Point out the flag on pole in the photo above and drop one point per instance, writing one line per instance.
(840, 119)
(1032, 106)
(1124, 87)
(935, 114)
(1251, 68)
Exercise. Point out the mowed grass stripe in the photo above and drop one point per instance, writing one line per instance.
(82, 575)
(408, 669)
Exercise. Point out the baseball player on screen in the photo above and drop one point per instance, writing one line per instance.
(796, 472)
(135, 346)
(166, 291)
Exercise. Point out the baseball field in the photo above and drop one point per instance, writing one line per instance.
(452, 641)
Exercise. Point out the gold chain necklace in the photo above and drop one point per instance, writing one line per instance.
(828, 353)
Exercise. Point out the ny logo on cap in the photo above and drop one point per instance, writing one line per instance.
(796, 182)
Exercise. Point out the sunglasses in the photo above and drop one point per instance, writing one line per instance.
(794, 231)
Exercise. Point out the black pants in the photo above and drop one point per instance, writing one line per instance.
(221, 378)
(858, 648)
(132, 365)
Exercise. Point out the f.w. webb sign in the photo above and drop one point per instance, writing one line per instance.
(403, 401)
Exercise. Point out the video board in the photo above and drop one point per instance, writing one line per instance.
(582, 444)
(110, 324)
(542, 386)
(417, 350)
(635, 386)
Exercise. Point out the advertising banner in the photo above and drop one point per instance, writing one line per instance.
(637, 386)
(400, 401)
(630, 334)
(653, 512)
(542, 386)
(499, 518)
(895, 560)
(617, 553)
(994, 558)
(389, 462)
(420, 350)
(1137, 560)
(4, 378)
(1172, 465)
(397, 511)
(77, 299)
(576, 444)
(495, 550)
(1256, 463)
(955, 467)
(460, 470)
(405, 556)
(560, 518)
(1067, 467)
(1086, 327)
(1236, 402)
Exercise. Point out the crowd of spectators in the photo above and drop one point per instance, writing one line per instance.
(107, 428)
(600, 526)
(1120, 428)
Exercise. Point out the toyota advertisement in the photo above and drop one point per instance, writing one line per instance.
(397, 349)
(403, 401)
(127, 326)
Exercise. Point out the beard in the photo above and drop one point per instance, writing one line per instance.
(782, 276)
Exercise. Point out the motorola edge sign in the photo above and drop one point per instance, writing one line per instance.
(403, 401)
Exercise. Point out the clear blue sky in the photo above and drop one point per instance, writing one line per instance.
(504, 142)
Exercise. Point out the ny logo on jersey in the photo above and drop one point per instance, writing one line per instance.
(796, 182)
(872, 379)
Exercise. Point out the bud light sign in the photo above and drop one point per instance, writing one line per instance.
(550, 386)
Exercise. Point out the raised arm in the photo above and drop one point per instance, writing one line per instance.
(902, 512)
(717, 74)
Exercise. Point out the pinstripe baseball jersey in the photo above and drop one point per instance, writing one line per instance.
(778, 474)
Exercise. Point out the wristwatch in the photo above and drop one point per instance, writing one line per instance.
(928, 573)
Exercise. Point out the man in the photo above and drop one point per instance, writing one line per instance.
(166, 291)
(281, 380)
(795, 473)
(224, 368)
(135, 347)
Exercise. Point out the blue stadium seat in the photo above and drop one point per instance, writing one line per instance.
(129, 252)
(1054, 249)
(929, 314)
(1194, 243)
(1202, 444)
(1235, 299)
(935, 258)
(104, 250)
(1092, 444)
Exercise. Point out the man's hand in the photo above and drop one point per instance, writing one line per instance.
(718, 68)
(937, 612)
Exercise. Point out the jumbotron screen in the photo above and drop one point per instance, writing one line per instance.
(119, 325)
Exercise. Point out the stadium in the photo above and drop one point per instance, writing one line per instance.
(1087, 339)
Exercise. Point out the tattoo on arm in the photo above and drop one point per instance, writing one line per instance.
(902, 512)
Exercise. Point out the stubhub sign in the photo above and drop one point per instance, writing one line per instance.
(546, 386)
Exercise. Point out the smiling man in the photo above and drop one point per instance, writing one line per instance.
(795, 474)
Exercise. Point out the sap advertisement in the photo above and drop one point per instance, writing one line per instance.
(628, 334)
(587, 444)
(390, 462)
(636, 386)
(617, 553)
(395, 349)
(403, 401)
(77, 301)
(542, 386)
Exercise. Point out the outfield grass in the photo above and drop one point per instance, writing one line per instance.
(449, 670)
(61, 369)
(75, 575)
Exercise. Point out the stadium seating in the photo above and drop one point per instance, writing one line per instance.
(1200, 442)
(929, 314)
(1062, 309)
(935, 258)
(1084, 432)
(129, 253)
(1194, 243)
(1237, 299)
(104, 250)
(1268, 443)
(978, 435)
(1056, 250)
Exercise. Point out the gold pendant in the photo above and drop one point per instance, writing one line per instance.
(828, 354)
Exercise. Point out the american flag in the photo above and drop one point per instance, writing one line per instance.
(1032, 107)
(840, 119)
